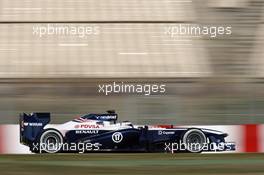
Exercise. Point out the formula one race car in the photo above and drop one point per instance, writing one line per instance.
(101, 132)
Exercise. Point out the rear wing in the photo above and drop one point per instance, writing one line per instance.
(31, 125)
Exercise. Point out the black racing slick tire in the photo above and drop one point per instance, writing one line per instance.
(194, 140)
(50, 141)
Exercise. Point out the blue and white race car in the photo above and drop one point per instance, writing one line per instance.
(102, 133)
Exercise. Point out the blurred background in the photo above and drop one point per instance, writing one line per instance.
(208, 80)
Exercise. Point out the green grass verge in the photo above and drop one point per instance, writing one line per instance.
(131, 164)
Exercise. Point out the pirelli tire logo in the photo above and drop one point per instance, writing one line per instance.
(117, 137)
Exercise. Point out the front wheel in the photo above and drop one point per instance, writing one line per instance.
(194, 140)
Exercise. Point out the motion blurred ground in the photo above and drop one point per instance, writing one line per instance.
(220, 164)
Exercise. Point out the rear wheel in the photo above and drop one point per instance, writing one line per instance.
(194, 140)
(50, 141)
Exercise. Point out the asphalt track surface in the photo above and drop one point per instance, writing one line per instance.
(77, 164)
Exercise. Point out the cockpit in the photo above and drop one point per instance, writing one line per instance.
(110, 116)
(107, 119)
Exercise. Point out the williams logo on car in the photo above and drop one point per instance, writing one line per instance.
(32, 124)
